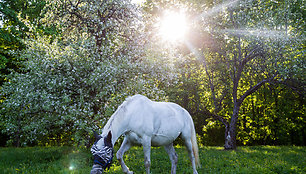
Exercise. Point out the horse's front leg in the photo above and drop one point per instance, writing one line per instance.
(147, 153)
(126, 145)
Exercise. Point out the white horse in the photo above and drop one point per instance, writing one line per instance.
(147, 123)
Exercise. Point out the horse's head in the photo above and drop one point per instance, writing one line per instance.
(102, 151)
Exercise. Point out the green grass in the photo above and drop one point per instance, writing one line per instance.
(258, 159)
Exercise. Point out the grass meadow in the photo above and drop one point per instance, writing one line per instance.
(256, 159)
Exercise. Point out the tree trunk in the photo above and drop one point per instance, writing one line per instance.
(230, 131)
(230, 138)
(17, 139)
(17, 136)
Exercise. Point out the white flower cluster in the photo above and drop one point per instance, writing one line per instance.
(71, 84)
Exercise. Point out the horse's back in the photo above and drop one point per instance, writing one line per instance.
(163, 121)
(165, 112)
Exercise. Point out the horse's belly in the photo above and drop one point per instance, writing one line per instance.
(157, 139)
(161, 139)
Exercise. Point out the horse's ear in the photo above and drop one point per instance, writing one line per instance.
(108, 139)
(97, 136)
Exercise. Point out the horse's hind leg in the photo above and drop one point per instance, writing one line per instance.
(190, 152)
(173, 157)
(126, 145)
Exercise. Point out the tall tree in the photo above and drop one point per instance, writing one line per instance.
(242, 46)
(253, 43)
(75, 82)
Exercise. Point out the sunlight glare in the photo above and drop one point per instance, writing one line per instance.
(173, 26)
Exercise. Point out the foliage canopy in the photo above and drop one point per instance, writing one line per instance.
(66, 66)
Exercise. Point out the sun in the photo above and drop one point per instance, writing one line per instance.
(173, 26)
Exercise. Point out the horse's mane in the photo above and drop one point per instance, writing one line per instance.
(130, 99)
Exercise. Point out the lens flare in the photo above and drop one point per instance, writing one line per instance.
(71, 167)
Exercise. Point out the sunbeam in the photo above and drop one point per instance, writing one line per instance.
(196, 53)
(260, 33)
(218, 8)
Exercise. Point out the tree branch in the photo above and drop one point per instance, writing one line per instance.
(215, 116)
(255, 88)
(253, 53)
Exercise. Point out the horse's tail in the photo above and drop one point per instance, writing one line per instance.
(194, 143)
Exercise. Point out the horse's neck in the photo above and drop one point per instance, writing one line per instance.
(116, 126)
(118, 123)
